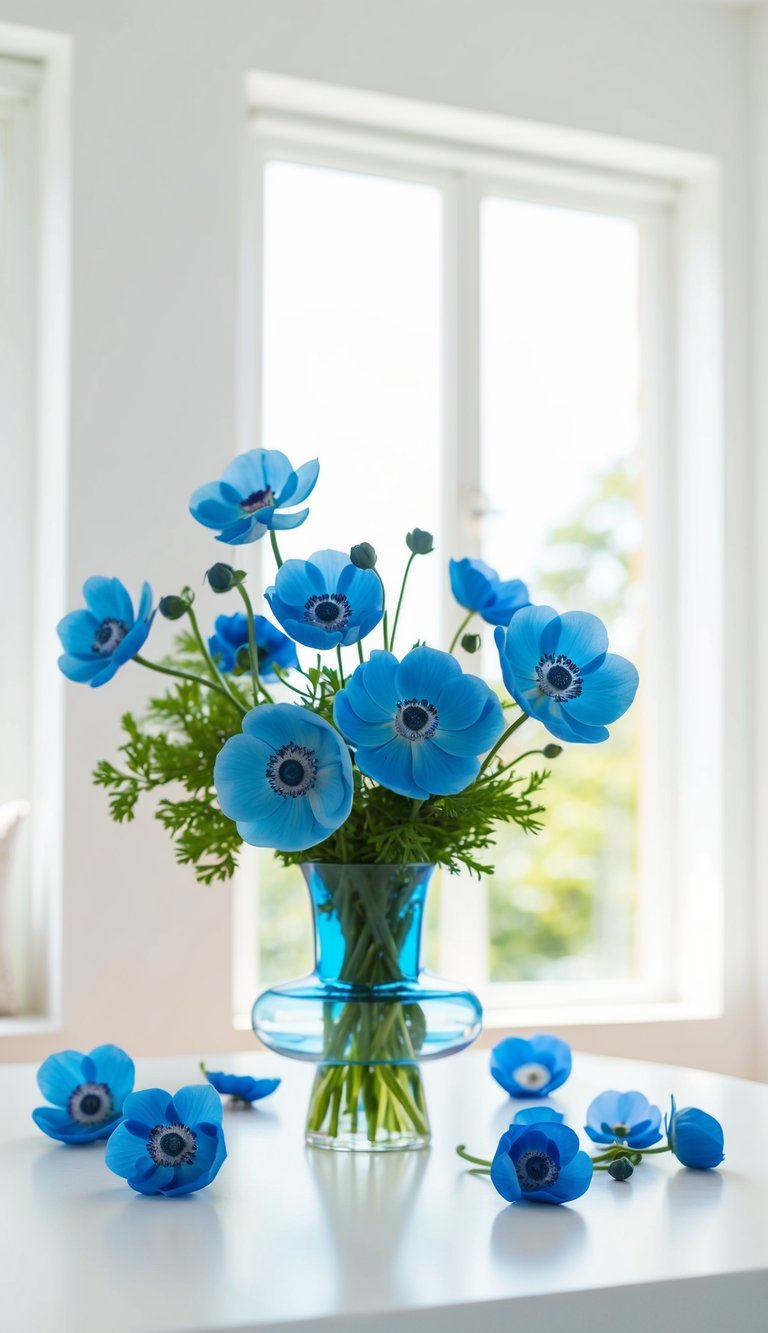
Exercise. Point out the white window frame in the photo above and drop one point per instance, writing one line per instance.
(674, 198)
(34, 409)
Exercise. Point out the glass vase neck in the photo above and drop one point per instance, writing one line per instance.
(368, 921)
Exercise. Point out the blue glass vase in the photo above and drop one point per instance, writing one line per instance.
(369, 1013)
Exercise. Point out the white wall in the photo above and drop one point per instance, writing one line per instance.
(157, 111)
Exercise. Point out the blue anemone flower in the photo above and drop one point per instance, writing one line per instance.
(169, 1144)
(558, 669)
(541, 1162)
(241, 1087)
(87, 1092)
(623, 1117)
(419, 725)
(229, 645)
(532, 1068)
(695, 1137)
(478, 588)
(536, 1115)
(101, 639)
(326, 601)
(253, 489)
(286, 780)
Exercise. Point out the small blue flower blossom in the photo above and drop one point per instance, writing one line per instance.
(241, 1087)
(87, 1092)
(229, 645)
(558, 669)
(695, 1137)
(623, 1117)
(419, 725)
(167, 1144)
(286, 780)
(326, 601)
(104, 637)
(478, 588)
(536, 1115)
(541, 1162)
(253, 489)
(531, 1068)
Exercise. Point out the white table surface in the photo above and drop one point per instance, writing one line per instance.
(309, 1241)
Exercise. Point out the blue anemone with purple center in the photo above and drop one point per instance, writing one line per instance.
(99, 640)
(87, 1093)
(478, 588)
(251, 495)
(542, 1163)
(229, 645)
(167, 1144)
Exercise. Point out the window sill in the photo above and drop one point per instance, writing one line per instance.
(598, 1015)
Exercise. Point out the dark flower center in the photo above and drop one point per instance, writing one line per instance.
(415, 719)
(258, 500)
(329, 611)
(90, 1103)
(172, 1145)
(559, 677)
(109, 634)
(620, 1131)
(536, 1169)
(292, 770)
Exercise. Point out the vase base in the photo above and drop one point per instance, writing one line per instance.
(361, 1143)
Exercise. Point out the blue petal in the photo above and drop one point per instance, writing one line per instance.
(280, 522)
(114, 1067)
(331, 565)
(508, 1055)
(557, 1140)
(646, 1138)
(607, 693)
(355, 728)
(359, 700)
(698, 1138)
(277, 469)
(574, 1180)
(536, 1115)
(439, 773)
(471, 582)
(292, 828)
(59, 1075)
(504, 1176)
(152, 1180)
(187, 1182)
(276, 724)
(197, 1102)
(240, 779)
(331, 796)
(424, 673)
(300, 484)
(555, 1054)
(215, 506)
(59, 1125)
(504, 601)
(77, 632)
(477, 738)
(582, 637)
(245, 531)
(246, 474)
(126, 1153)
(108, 670)
(108, 598)
(557, 720)
(378, 676)
(78, 669)
(145, 602)
(392, 767)
(244, 1087)
(132, 643)
(461, 700)
(148, 1107)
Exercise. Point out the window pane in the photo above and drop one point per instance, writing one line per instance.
(352, 373)
(561, 468)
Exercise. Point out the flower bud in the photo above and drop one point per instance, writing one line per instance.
(363, 556)
(173, 608)
(621, 1168)
(552, 751)
(419, 542)
(222, 578)
(471, 642)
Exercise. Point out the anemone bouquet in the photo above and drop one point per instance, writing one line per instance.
(365, 761)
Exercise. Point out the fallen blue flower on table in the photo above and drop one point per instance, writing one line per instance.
(623, 1117)
(169, 1145)
(695, 1138)
(229, 645)
(87, 1092)
(99, 640)
(254, 488)
(541, 1162)
(531, 1068)
(477, 587)
(241, 1087)
(558, 669)
(536, 1115)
